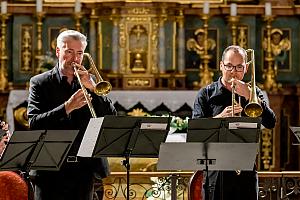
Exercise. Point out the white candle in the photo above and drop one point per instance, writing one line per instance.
(233, 9)
(4, 7)
(39, 5)
(206, 7)
(77, 7)
(268, 9)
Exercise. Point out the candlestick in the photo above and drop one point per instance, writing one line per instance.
(268, 9)
(39, 5)
(4, 7)
(233, 9)
(77, 7)
(206, 7)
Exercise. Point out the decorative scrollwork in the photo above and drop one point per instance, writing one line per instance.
(147, 188)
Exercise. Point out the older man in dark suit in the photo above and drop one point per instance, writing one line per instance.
(56, 101)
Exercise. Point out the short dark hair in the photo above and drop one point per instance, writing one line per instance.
(235, 49)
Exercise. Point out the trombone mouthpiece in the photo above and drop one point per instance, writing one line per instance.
(74, 64)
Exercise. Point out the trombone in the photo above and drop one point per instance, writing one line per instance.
(253, 108)
(102, 87)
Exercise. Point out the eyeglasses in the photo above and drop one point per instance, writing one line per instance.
(238, 68)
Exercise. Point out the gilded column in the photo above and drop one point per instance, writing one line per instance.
(233, 20)
(161, 43)
(270, 72)
(115, 41)
(206, 75)
(38, 56)
(92, 34)
(181, 43)
(77, 17)
(100, 44)
(3, 66)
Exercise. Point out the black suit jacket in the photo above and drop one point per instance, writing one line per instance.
(47, 94)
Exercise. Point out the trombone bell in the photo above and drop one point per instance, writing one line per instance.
(253, 108)
(102, 87)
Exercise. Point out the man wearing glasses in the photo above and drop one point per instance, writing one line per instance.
(215, 100)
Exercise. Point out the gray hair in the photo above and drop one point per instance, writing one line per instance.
(75, 35)
(235, 49)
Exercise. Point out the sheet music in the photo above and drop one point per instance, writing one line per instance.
(236, 125)
(153, 126)
(90, 137)
(176, 137)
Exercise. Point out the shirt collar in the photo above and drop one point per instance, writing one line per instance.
(220, 84)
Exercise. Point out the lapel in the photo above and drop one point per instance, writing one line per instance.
(59, 90)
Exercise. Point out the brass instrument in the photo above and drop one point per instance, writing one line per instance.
(101, 88)
(253, 108)
(233, 99)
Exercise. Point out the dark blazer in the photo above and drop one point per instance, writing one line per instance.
(47, 94)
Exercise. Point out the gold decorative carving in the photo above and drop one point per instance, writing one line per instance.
(154, 47)
(270, 73)
(138, 41)
(279, 45)
(122, 41)
(26, 59)
(139, 11)
(77, 17)
(138, 65)
(266, 148)
(137, 112)
(197, 44)
(3, 67)
(242, 38)
(233, 21)
(202, 44)
(38, 56)
(138, 82)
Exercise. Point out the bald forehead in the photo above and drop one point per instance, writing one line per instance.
(234, 52)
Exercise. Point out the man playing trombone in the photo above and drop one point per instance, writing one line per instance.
(226, 98)
(58, 100)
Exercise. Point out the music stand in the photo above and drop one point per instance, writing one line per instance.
(37, 150)
(127, 137)
(296, 132)
(231, 129)
(220, 156)
(217, 142)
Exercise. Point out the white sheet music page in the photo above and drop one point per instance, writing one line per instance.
(236, 125)
(90, 137)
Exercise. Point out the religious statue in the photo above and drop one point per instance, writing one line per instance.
(197, 43)
(280, 46)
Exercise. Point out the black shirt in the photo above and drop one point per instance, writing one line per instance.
(214, 98)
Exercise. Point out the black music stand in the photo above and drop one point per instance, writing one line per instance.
(239, 130)
(127, 137)
(296, 132)
(232, 129)
(37, 150)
